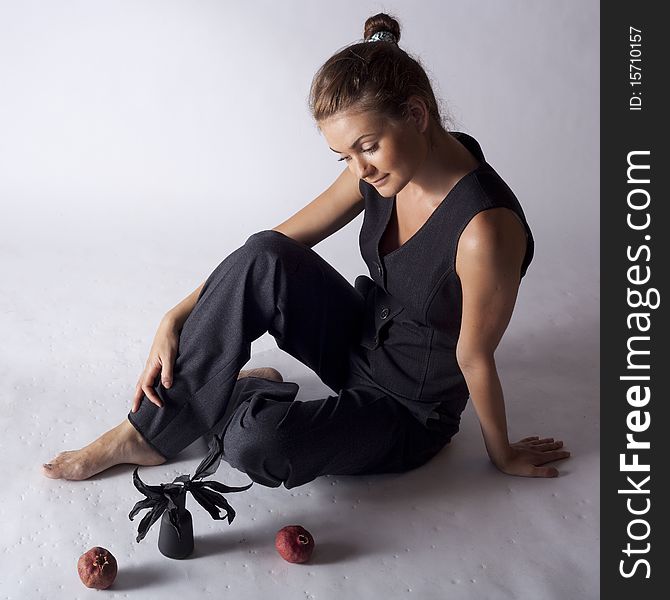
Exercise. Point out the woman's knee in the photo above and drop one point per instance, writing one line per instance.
(268, 249)
(270, 241)
(253, 444)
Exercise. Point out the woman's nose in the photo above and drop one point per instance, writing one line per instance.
(363, 169)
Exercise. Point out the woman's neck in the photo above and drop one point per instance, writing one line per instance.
(447, 161)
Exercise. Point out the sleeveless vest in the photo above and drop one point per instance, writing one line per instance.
(413, 295)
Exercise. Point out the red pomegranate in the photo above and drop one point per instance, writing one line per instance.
(294, 543)
(97, 568)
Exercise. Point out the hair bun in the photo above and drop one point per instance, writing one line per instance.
(381, 22)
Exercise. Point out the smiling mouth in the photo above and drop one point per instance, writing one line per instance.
(378, 180)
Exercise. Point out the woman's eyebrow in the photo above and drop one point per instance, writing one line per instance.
(354, 144)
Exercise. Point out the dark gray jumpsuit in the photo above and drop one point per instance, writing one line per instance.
(386, 347)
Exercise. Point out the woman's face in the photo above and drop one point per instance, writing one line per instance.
(384, 153)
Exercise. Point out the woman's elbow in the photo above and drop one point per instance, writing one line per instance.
(474, 359)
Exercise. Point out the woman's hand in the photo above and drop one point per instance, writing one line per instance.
(525, 456)
(161, 360)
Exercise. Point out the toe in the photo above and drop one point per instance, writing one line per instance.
(64, 466)
(49, 470)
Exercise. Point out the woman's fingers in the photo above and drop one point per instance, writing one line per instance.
(551, 455)
(145, 385)
(137, 396)
(158, 367)
(535, 443)
(147, 390)
(150, 380)
(166, 377)
(136, 399)
(548, 446)
(544, 472)
(150, 393)
(542, 441)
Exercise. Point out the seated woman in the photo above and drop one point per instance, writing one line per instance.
(446, 243)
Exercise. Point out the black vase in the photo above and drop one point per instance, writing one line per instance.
(169, 542)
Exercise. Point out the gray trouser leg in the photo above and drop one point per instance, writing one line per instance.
(272, 283)
(275, 439)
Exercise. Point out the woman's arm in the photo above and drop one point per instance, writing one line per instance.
(488, 262)
(327, 213)
(176, 316)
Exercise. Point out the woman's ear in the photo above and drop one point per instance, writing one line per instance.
(417, 113)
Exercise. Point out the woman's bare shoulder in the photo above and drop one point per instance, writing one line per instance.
(496, 234)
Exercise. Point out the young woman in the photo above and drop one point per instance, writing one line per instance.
(447, 244)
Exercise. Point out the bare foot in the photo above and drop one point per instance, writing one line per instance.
(122, 444)
(262, 372)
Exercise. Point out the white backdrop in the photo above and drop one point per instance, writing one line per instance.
(141, 141)
(176, 125)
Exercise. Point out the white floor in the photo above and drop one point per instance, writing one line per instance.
(76, 326)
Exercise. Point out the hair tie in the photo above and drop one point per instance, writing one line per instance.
(382, 36)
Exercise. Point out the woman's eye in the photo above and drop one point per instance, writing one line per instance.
(370, 150)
